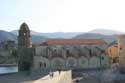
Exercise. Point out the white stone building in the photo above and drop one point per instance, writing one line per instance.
(71, 54)
(60, 53)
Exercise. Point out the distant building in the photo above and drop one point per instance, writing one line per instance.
(113, 53)
(60, 53)
(121, 50)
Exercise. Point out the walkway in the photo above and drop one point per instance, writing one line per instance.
(23, 77)
(56, 78)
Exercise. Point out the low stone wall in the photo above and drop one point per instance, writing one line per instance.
(8, 65)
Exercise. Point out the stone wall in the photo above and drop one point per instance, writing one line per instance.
(69, 63)
(70, 57)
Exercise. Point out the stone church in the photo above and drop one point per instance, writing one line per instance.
(60, 53)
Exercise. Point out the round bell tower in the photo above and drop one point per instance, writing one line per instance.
(24, 38)
(25, 50)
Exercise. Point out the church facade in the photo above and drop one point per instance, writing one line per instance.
(60, 53)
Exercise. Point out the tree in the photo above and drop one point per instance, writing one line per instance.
(14, 54)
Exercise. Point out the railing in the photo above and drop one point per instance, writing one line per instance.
(8, 65)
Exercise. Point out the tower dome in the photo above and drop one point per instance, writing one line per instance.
(24, 38)
(24, 27)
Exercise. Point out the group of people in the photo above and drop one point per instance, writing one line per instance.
(52, 73)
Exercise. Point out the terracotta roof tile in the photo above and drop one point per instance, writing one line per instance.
(74, 41)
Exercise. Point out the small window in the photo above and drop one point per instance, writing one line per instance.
(40, 64)
(67, 51)
(102, 58)
(44, 64)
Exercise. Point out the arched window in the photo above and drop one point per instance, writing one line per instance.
(67, 51)
(44, 65)
(102, 58)
(40, 64)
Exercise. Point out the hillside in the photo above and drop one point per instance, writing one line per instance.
(106, 32)
(107, 38)
(4, 36)
(52, 34)
(38, 37)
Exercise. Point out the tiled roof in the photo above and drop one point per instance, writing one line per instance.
(74, 41)
(114, 45)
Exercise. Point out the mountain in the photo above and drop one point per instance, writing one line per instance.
(53, 35)
(67, 35)
(108, 35)
(15, 32)
(107, 38)
(106, 32)
(4, 36)
(38, 39)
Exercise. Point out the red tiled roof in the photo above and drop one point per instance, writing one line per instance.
(74, 41)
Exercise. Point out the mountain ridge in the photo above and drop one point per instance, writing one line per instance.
(38, 37)
(108, 38)
(106, 32)
(5, 36)
(52, 34)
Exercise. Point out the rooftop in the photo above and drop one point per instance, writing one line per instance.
(72, 42)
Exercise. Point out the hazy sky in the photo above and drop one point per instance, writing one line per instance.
(63, 15)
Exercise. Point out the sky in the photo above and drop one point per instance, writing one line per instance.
(63, 15)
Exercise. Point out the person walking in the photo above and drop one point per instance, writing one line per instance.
(50, 74)
(59, 71)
